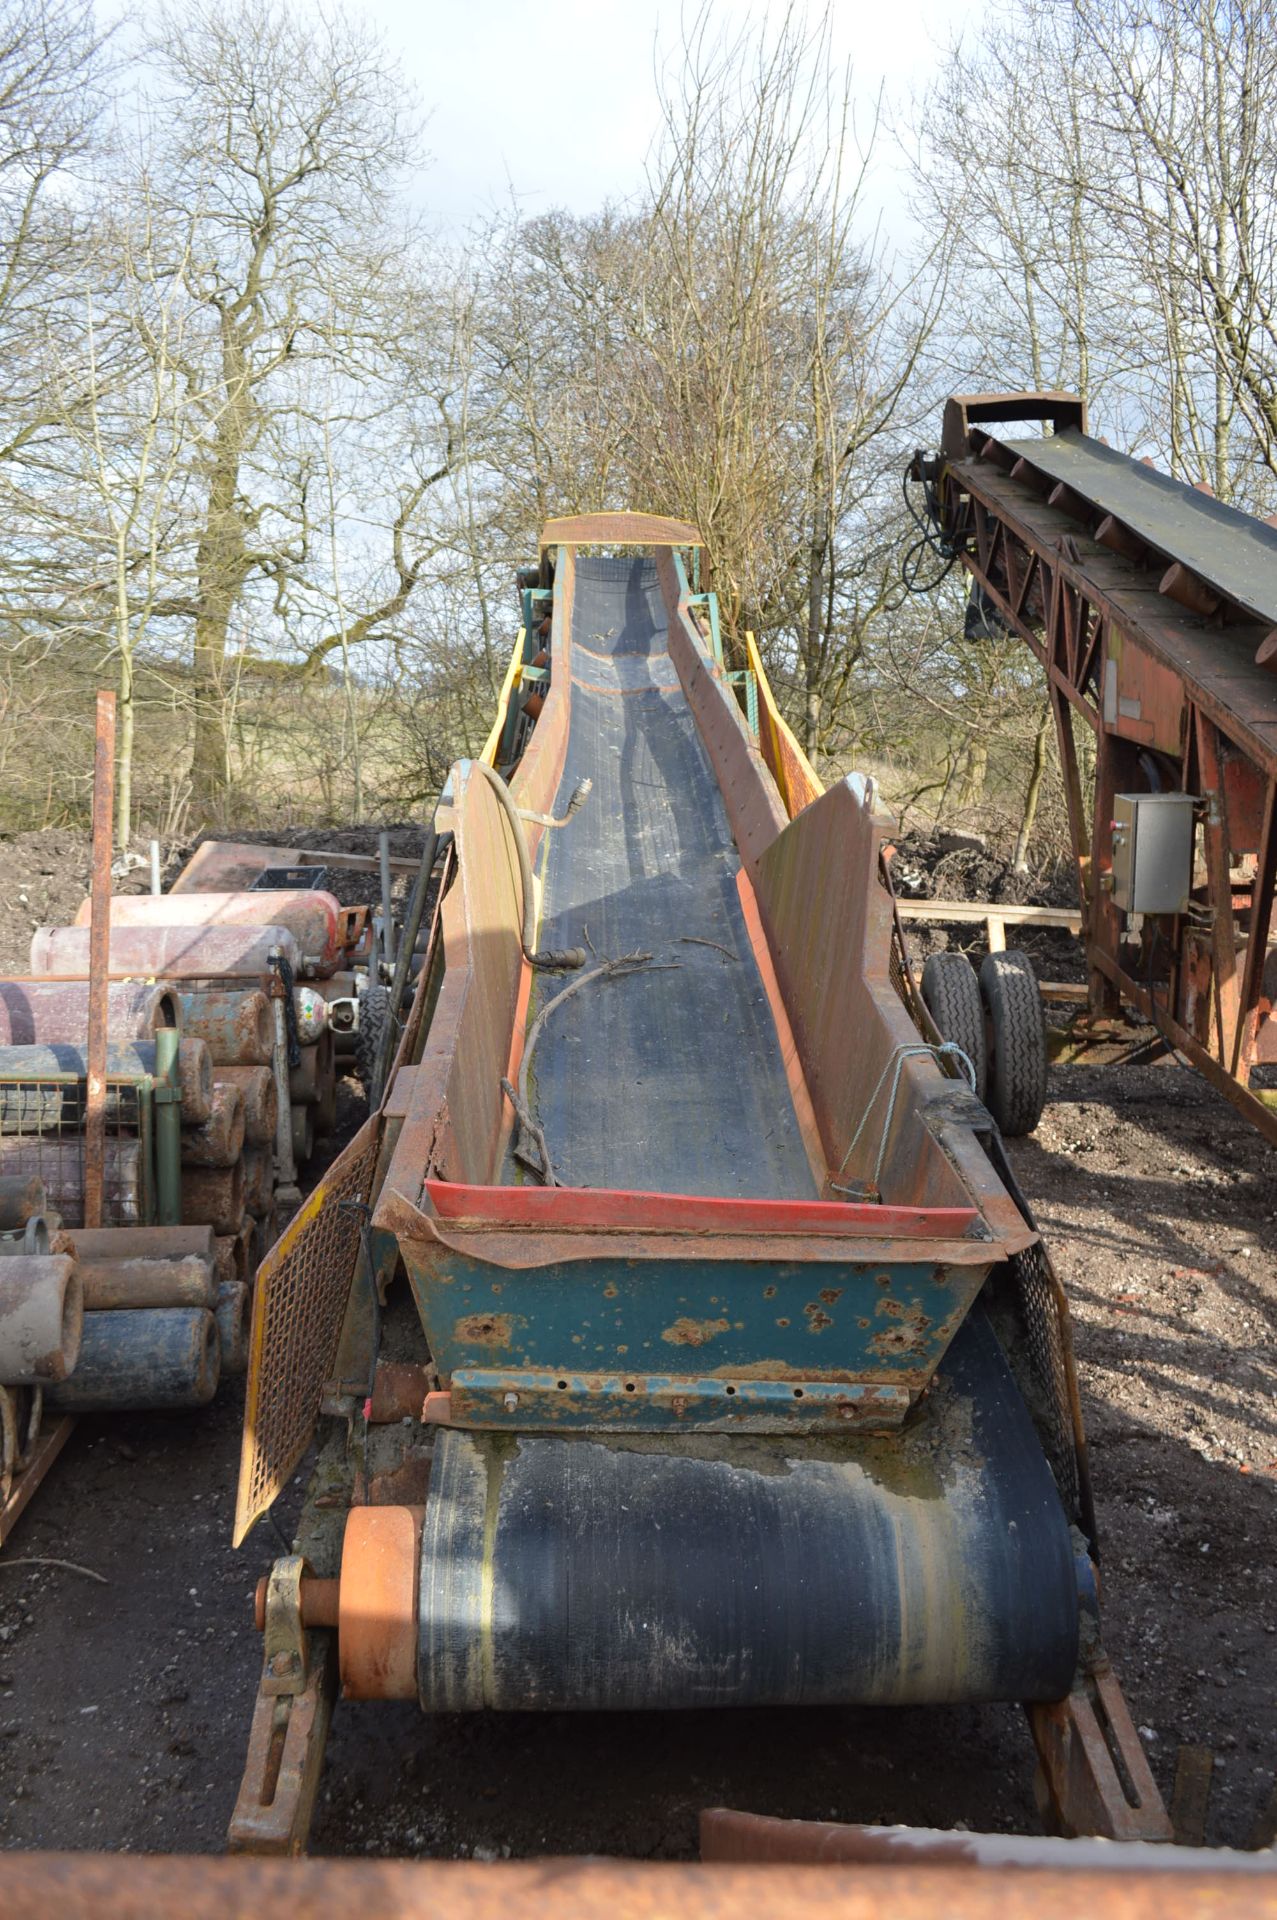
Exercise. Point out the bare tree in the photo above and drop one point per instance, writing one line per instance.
(289, 137)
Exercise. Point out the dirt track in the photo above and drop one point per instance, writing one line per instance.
(124, 1707)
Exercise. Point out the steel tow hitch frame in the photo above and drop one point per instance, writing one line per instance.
(1093, 1777)
(276, 1799)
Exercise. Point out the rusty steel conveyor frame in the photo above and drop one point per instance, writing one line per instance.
(459, 1600)
(1152, 608)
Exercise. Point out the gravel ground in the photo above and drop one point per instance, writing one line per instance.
(124, 1707)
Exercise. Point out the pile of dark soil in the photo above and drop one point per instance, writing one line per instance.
(957, 866)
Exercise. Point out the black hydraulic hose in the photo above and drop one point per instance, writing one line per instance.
(571, 956)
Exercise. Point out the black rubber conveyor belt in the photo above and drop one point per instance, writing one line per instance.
(1231, 549)
(661, 1081)
(930, 1565)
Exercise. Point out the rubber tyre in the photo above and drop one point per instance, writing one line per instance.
(1016, 1042)
(374, 1005)
(951, 995)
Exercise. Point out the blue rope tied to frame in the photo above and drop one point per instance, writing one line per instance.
(895, 1067)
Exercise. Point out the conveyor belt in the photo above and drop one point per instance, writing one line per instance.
(929, 1565)
(1232, 550)
(662, 1080)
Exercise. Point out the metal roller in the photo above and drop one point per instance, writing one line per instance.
(261, 1102)
(41, 1318)
(183, 953)
(215, 1196)
(237, 1028)
(47, 1011)
(312, 916)
(231, 1314)
(933, 1565)
(154, 1359)
(173, 1280)
(220, 1141)
(137, 1243)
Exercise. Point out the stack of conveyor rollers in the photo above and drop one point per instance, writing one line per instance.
(105, 1320)
(134, 1314)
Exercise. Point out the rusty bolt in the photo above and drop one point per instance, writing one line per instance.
(511, 1402)
(282, 1663)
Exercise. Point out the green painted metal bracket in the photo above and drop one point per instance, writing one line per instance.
(168, 1129)
(747, 678)
(710, 603)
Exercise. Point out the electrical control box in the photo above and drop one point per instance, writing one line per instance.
(1153, 837)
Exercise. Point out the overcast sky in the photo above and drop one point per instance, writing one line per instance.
(557, 99)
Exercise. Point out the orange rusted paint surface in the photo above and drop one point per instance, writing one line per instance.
(752, 1837)
(486, 1329)
(799, 1092)
(694, 1333)
(754, 807)
(86, 1886)
(377, 1608)
(315, 919)
(619, 530)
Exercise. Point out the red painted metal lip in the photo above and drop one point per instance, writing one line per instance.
(604, 1207)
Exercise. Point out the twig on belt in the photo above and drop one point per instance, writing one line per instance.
(608, 970)
(695, 940)
(529, 1129)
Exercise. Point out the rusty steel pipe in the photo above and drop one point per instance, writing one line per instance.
(41, 1318)
(285, 1156)
(261, 1102)
(178, 1280)
(52, 1012)
(231, 1314)
(237, 1027)
(154, 1359)
(182, 953)
(259, 1179)
(136, 1243)
(22, 1196)
(99, 943)
(319, 1602)
(312, 917)
(244, 1886)
(60, 1164)
(303, 1079)
(220, 1141)
(250, 1240)
(228, 1264)
(303, 1134)
(214, 1195)
(326, 1105)
(726, 1835)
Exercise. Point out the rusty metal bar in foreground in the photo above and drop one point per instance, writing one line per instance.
(113, 1887)
(729, 1837)
(99, 960)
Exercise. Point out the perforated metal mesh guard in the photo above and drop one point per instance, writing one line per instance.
(1044, 1340)
(298, 1306)
(1044, 1337)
